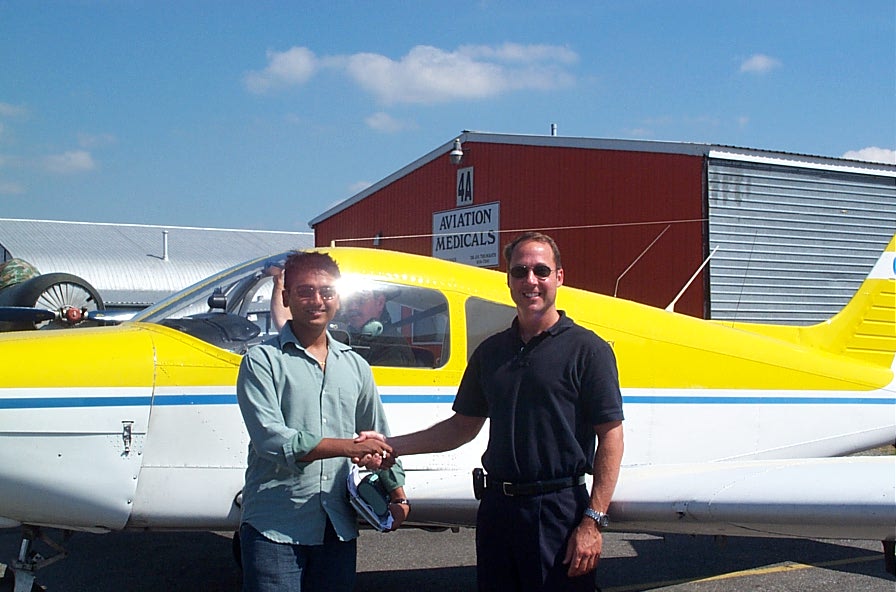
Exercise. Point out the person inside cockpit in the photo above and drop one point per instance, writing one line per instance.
(367, 322)
(371, 330)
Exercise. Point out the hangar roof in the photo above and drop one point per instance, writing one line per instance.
(135, 265)
(687, 148)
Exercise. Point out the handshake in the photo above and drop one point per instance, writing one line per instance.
(372, 452)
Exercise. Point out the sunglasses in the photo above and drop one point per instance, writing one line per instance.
(522, 271)
(307, 292)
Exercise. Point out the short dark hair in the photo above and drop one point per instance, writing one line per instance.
(536, 237)
(299, 262)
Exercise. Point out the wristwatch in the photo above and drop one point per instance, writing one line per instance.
(602, 519)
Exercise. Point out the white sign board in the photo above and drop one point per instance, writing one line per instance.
(467, 235)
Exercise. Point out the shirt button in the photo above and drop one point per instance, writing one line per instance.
(324, 420)
(325, 477)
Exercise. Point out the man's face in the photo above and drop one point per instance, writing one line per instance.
(312, 300)
(530, 292)
(363, 306)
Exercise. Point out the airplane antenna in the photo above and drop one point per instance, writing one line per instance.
(521, 230)
(616, 289)
(671, 307)
(743, 282)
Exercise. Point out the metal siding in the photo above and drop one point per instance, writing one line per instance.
(794, 243)
(124, 261)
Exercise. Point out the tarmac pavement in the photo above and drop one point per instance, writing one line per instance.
(418, 560)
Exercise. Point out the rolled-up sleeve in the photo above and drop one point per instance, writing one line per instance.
(259, 404)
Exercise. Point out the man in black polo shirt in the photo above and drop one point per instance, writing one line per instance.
(548, 387)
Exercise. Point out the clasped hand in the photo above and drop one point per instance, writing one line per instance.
(378, 454)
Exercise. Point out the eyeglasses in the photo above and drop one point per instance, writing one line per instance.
(522, 271)
(306, 292)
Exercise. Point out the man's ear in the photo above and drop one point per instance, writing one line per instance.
(284, 295)
(560, 277)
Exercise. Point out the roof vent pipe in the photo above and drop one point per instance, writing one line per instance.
(553, 129)
(164, 245)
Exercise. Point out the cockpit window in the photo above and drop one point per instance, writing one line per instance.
(392, 324)
(485, 318)
(388, 324)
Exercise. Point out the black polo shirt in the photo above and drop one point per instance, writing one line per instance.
(542, 400)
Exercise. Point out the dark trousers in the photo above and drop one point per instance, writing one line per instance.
(521, 541)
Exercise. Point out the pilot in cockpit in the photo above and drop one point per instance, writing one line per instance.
(371, 331)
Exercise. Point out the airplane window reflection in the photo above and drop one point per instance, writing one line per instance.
(388, 324)
(229, 310)
(485, 318)
(392, 325)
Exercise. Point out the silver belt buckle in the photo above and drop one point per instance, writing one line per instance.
(504, 485)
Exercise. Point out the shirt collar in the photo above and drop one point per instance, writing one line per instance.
(562, 324)
(287, 336)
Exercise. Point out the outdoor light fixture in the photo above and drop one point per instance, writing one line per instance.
(457, 154)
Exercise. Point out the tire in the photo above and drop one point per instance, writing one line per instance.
(55, 292)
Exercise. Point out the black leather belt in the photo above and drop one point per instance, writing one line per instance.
(536, 487)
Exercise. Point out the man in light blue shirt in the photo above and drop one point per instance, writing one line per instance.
(304, 397)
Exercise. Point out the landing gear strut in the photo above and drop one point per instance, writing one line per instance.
(25, 566)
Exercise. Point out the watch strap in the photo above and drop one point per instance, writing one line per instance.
(600, 518)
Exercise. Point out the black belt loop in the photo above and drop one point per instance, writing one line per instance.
(536, 487)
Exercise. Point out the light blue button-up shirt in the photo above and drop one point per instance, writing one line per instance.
(289, 404)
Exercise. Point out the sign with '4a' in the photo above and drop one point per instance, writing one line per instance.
(465, 187)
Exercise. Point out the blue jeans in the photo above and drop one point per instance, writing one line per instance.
(281, 567)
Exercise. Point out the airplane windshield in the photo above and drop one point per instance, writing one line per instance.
(386, 323)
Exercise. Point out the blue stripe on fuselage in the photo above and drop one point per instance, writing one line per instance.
(187, 399)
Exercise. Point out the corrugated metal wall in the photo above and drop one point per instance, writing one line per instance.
(794, 243)
(125, 262)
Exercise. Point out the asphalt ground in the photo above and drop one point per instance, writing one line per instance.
(417, 560)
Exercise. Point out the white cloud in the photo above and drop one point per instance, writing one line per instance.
(95, 140)
(358, 187)
(11, 188)
(7, 110)
(292, 67)
(872, 154)
(514, 52)
(759, 64)
(73, 161)
(428, 74)
(383, 122)
(641, 133)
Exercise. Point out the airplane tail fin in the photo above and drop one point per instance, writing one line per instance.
(866, 327)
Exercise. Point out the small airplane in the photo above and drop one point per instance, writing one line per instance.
(731, 428)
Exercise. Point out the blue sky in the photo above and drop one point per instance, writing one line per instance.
(264, 115)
